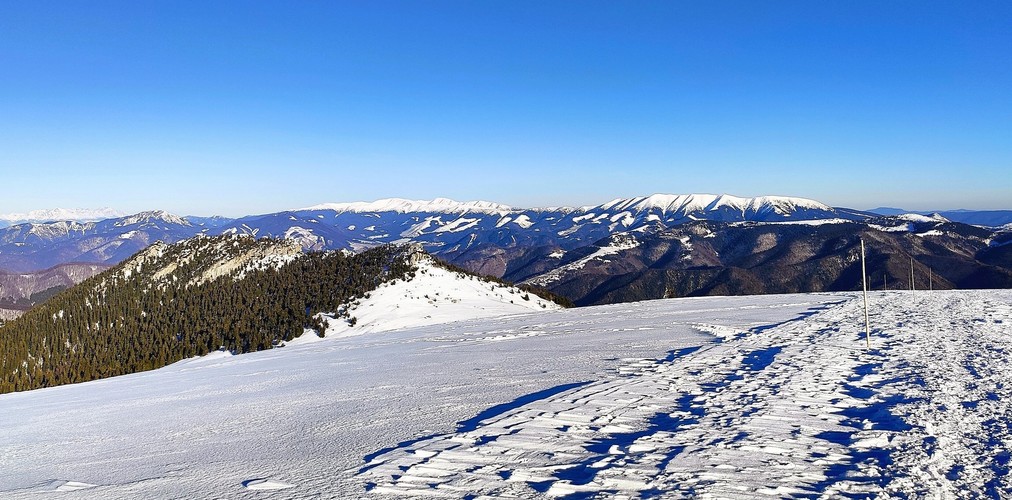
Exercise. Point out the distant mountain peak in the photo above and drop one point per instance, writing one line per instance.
(888, 211)
(914, 217)
(63, 214)
(152, 216)
(438, 205)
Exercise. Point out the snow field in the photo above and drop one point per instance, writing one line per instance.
(717, 397)
(797, 409)
(306, 415)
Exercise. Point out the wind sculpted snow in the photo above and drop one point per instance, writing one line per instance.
(635, 400)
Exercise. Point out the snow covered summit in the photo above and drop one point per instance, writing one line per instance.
(152, 217)
(434, 295)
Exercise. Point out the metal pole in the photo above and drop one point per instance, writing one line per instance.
(864, 284)
(931, 285)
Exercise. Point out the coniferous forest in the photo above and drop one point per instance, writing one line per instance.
(168, 303)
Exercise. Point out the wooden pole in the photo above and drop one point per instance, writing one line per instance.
(864, 285)
(912, 274)
(931, 284)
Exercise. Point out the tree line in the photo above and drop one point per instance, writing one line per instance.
(156, 308)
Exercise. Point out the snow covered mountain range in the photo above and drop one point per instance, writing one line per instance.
(36, 246)
(442, 225)
(555, 246)
(60, 214)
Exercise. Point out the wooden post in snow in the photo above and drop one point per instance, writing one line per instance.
(912, 273)
(864, 284)
(931, 284)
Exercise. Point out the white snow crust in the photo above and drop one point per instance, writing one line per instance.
(628, 400)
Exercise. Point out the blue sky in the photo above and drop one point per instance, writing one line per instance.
(254, 107)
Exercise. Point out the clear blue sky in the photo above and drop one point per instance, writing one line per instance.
(253, 107)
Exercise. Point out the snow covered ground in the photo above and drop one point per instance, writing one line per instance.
(732, 397)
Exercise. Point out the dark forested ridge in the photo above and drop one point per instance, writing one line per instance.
(713, 258)
(168, 303)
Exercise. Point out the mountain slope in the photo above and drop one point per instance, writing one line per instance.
(708, 258)
(23, 290)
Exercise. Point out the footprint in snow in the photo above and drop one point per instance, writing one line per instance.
(265, 484)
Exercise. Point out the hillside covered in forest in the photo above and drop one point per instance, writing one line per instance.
(171, 302)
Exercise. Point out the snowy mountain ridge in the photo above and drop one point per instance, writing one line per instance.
(150, 217)
(691, 203)
(63, 214)
(673, 203)
(438, 205)
(36, 246)
(433, 295)
(216, 258)
(447, 227)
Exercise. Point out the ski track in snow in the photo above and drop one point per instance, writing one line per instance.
(782, 401)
